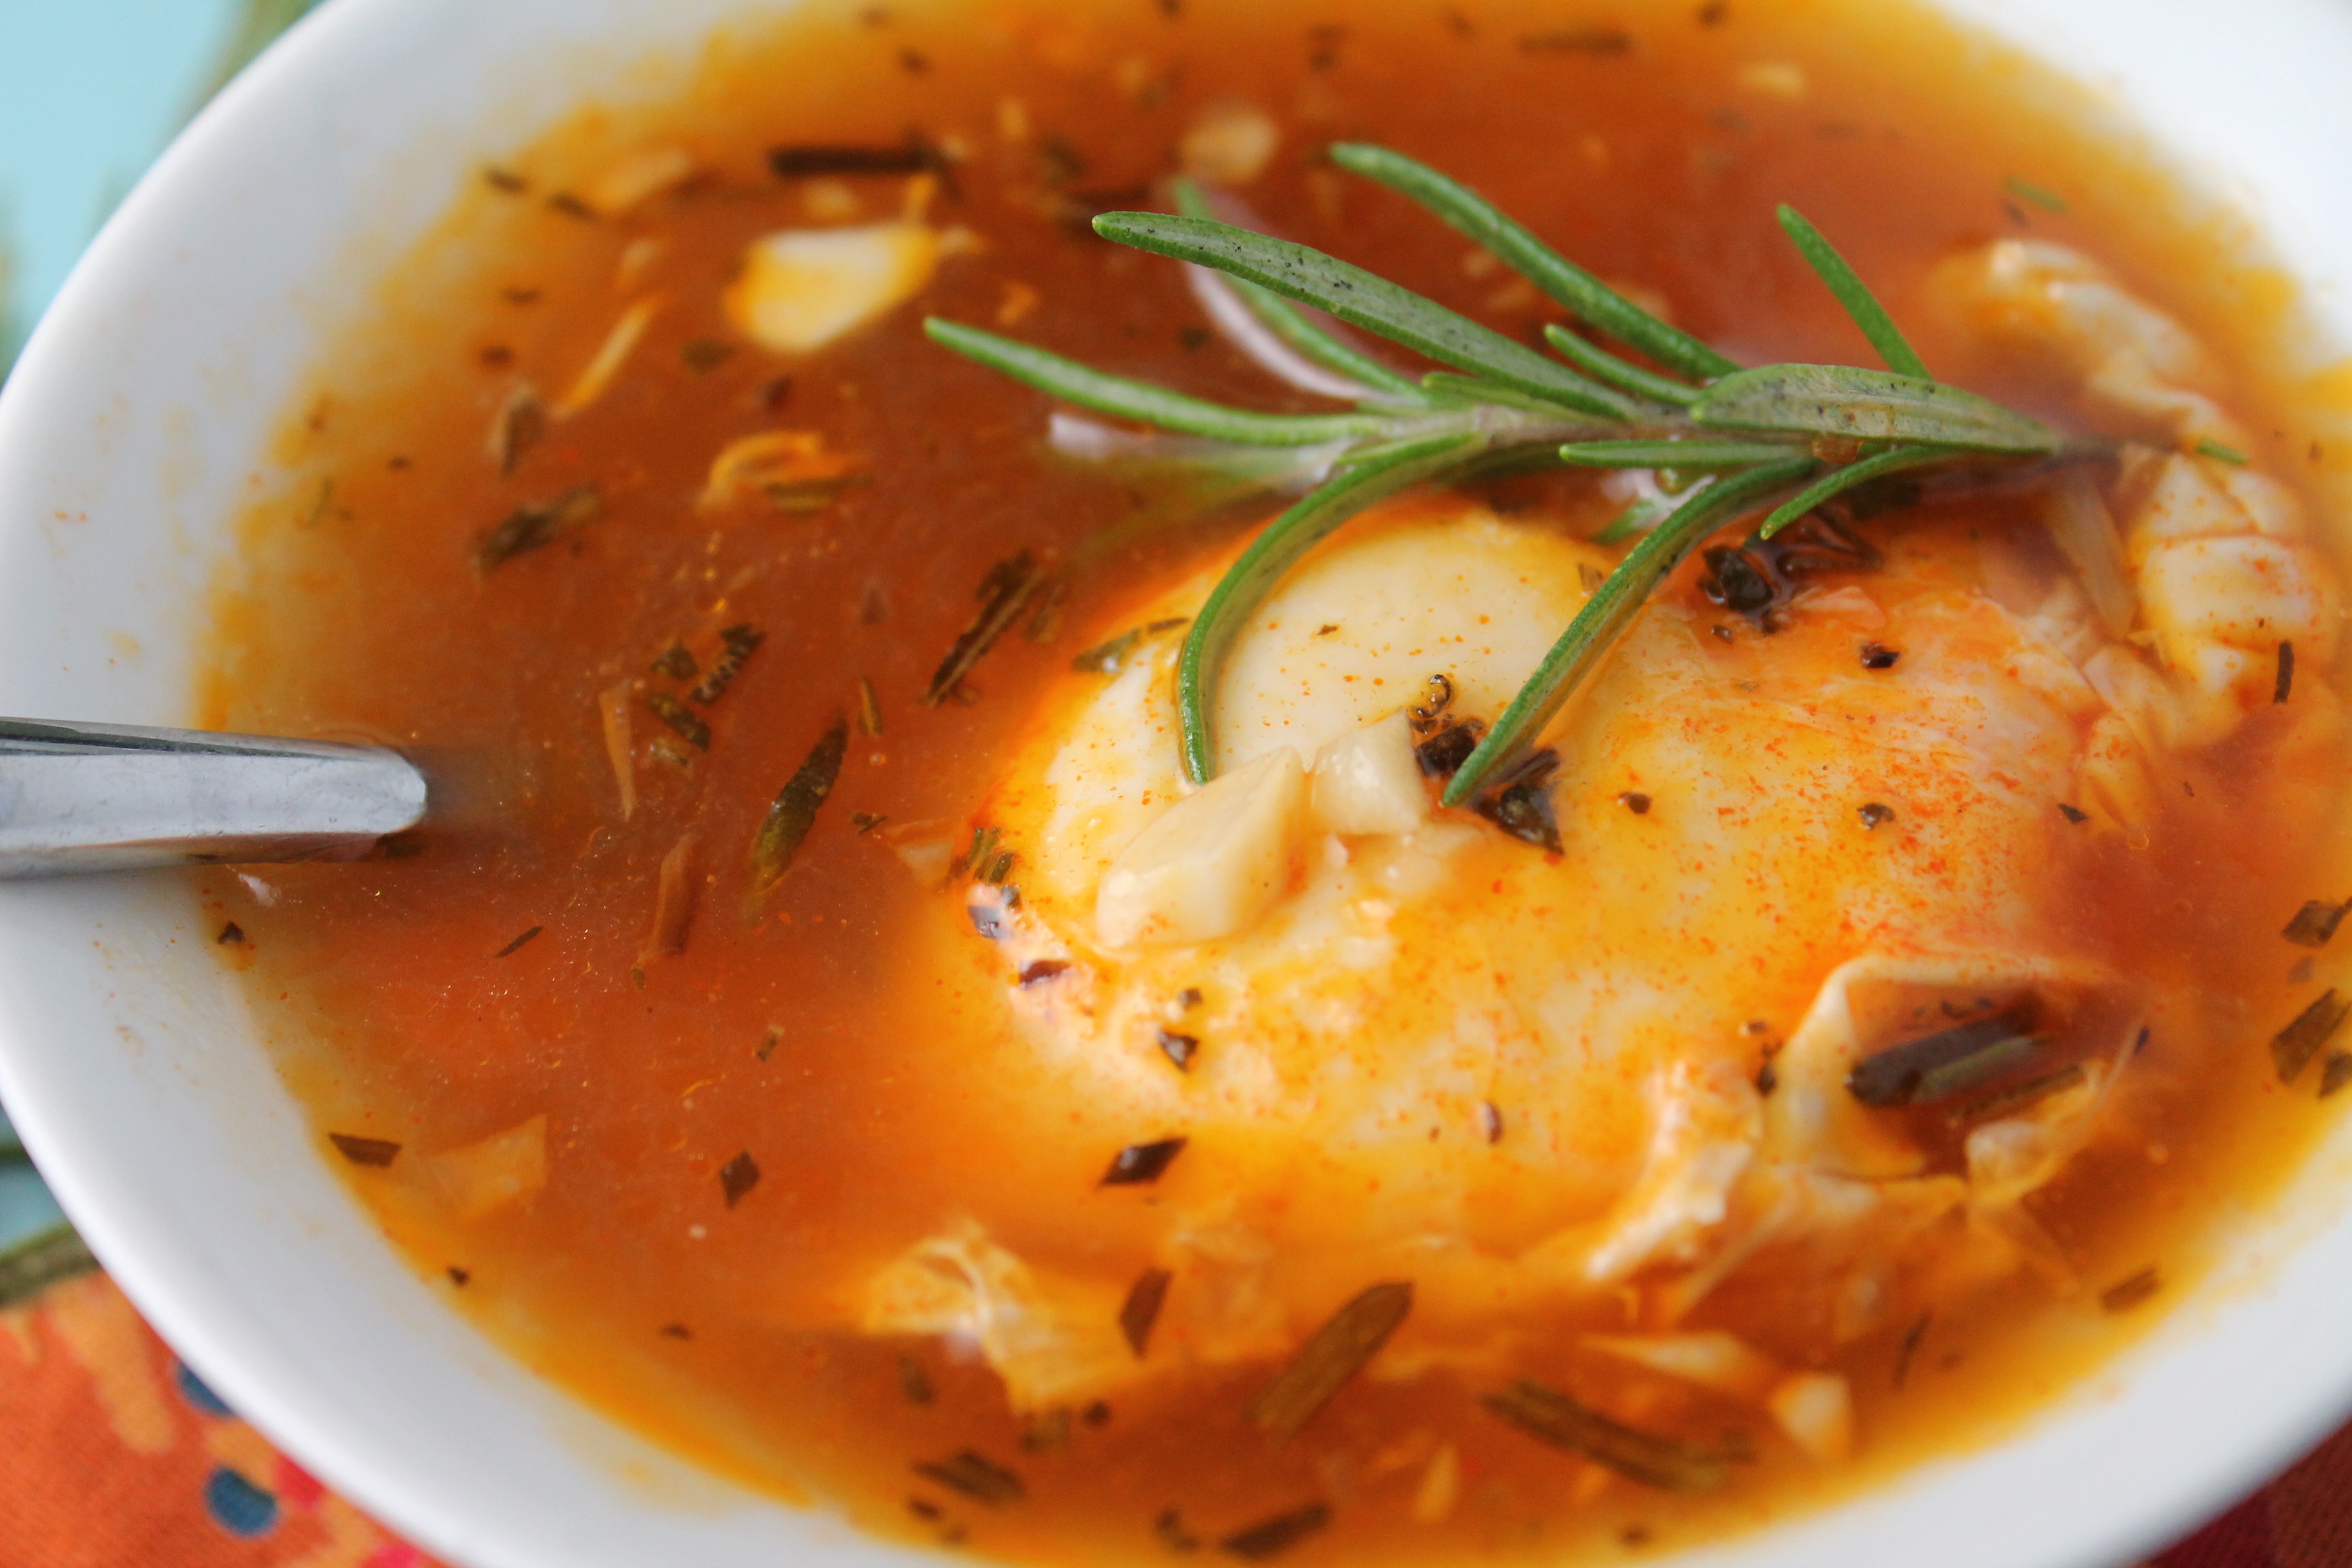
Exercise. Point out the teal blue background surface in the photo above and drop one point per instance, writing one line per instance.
(90, 91)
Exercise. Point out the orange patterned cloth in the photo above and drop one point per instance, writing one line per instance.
(118, 1457)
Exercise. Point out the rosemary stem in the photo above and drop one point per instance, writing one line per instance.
(1609, 612)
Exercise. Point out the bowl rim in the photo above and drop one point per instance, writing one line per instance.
(2300, 1409)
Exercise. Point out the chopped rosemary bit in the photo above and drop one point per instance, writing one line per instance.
(1139, 1164)
(1552, 1418)
(377, 1152)
(537, 525)
(976, 1477)
(1939, 1066)
(1002, 593)
(33, 1265)
(2334, 1073)
(914, 1382)
(870, 709)
(2017, 1097)
(794, 812)
(677, 663)
(687, 724)
(803, 160)
(1140, 1311)
(1791, 437)
(738, 1177)
(2293, 1046)
(1340, 1349)
(2315, 922)
(738, 643)
(518, 943)
(2125, 1294)
(1276, 1535)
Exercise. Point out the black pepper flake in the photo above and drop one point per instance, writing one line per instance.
(1095, 1414)
(1170, 1528)
(1490, 1120)
(676, 1331)
(705, 354)
(1140, 1311)
(1635, 801)
(1189, 998)
(768, 1045)
(677, 663)
(230, 934)
(1180, 1049)
(976, 1477)
(458, 1277)
(1878, 656)
(1520, 803)
(914, 62)
(2334, 1073)
(505, 180)
(1713, 14)
(738, 643)
(2293, 1046)
(925, 1510)
(1875, 816)
(739, 1176)
(1767, 1078)
(2315, 922)
(1043, 970)
(1272, 1537)
(2073, 813)
(1139, 1164)
(377, 1152)
(915, 1381)
(2125, 1294)
(1427, 715)
(866, 822)
(1721, 632)
(517, 943)
(1192, 340)
(571, 205)
(1042, 1431)
(2285, 682)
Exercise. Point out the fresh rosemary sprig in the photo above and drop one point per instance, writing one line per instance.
(1784, 438)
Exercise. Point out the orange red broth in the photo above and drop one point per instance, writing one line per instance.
(1639, 141)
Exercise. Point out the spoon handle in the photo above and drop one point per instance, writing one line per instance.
(113, 797)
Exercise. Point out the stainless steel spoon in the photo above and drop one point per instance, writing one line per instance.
(114, 797)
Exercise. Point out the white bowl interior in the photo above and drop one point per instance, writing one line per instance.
(129, 438)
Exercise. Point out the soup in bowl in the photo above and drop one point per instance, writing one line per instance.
(1504, 873)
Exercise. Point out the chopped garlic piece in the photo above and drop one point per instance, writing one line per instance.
(480, 1178)
(803, 288)
(1230, 144)
(1714, 1359)
(1209, 863)
(1440, 1489)
(770, 460)
(1367, 781)
(1816, 1410)
(619, 343)
(638, 178)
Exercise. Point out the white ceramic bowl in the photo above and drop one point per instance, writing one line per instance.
(131, 434)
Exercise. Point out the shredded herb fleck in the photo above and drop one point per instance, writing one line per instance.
(518, 943)
(1939, 1066)
(738, 1177)
(1552, 1418)
(2208, 447)
(677, 663)
(537, 525)
(2282, 687)
(914, 1382)
(794, 813)
(2017, 1097)
(2293, 1046)
(1140, 1311)
(377, 1152)
(1002, 593)
(683, 720)
(1139, 1164)
(976, 1477)
(2315, 922)
(2125, 1294)
(1276, 1535)
(1340, 1349)
(738, 643)
(807, 159)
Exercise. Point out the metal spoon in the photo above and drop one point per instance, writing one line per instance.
(115, 797)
